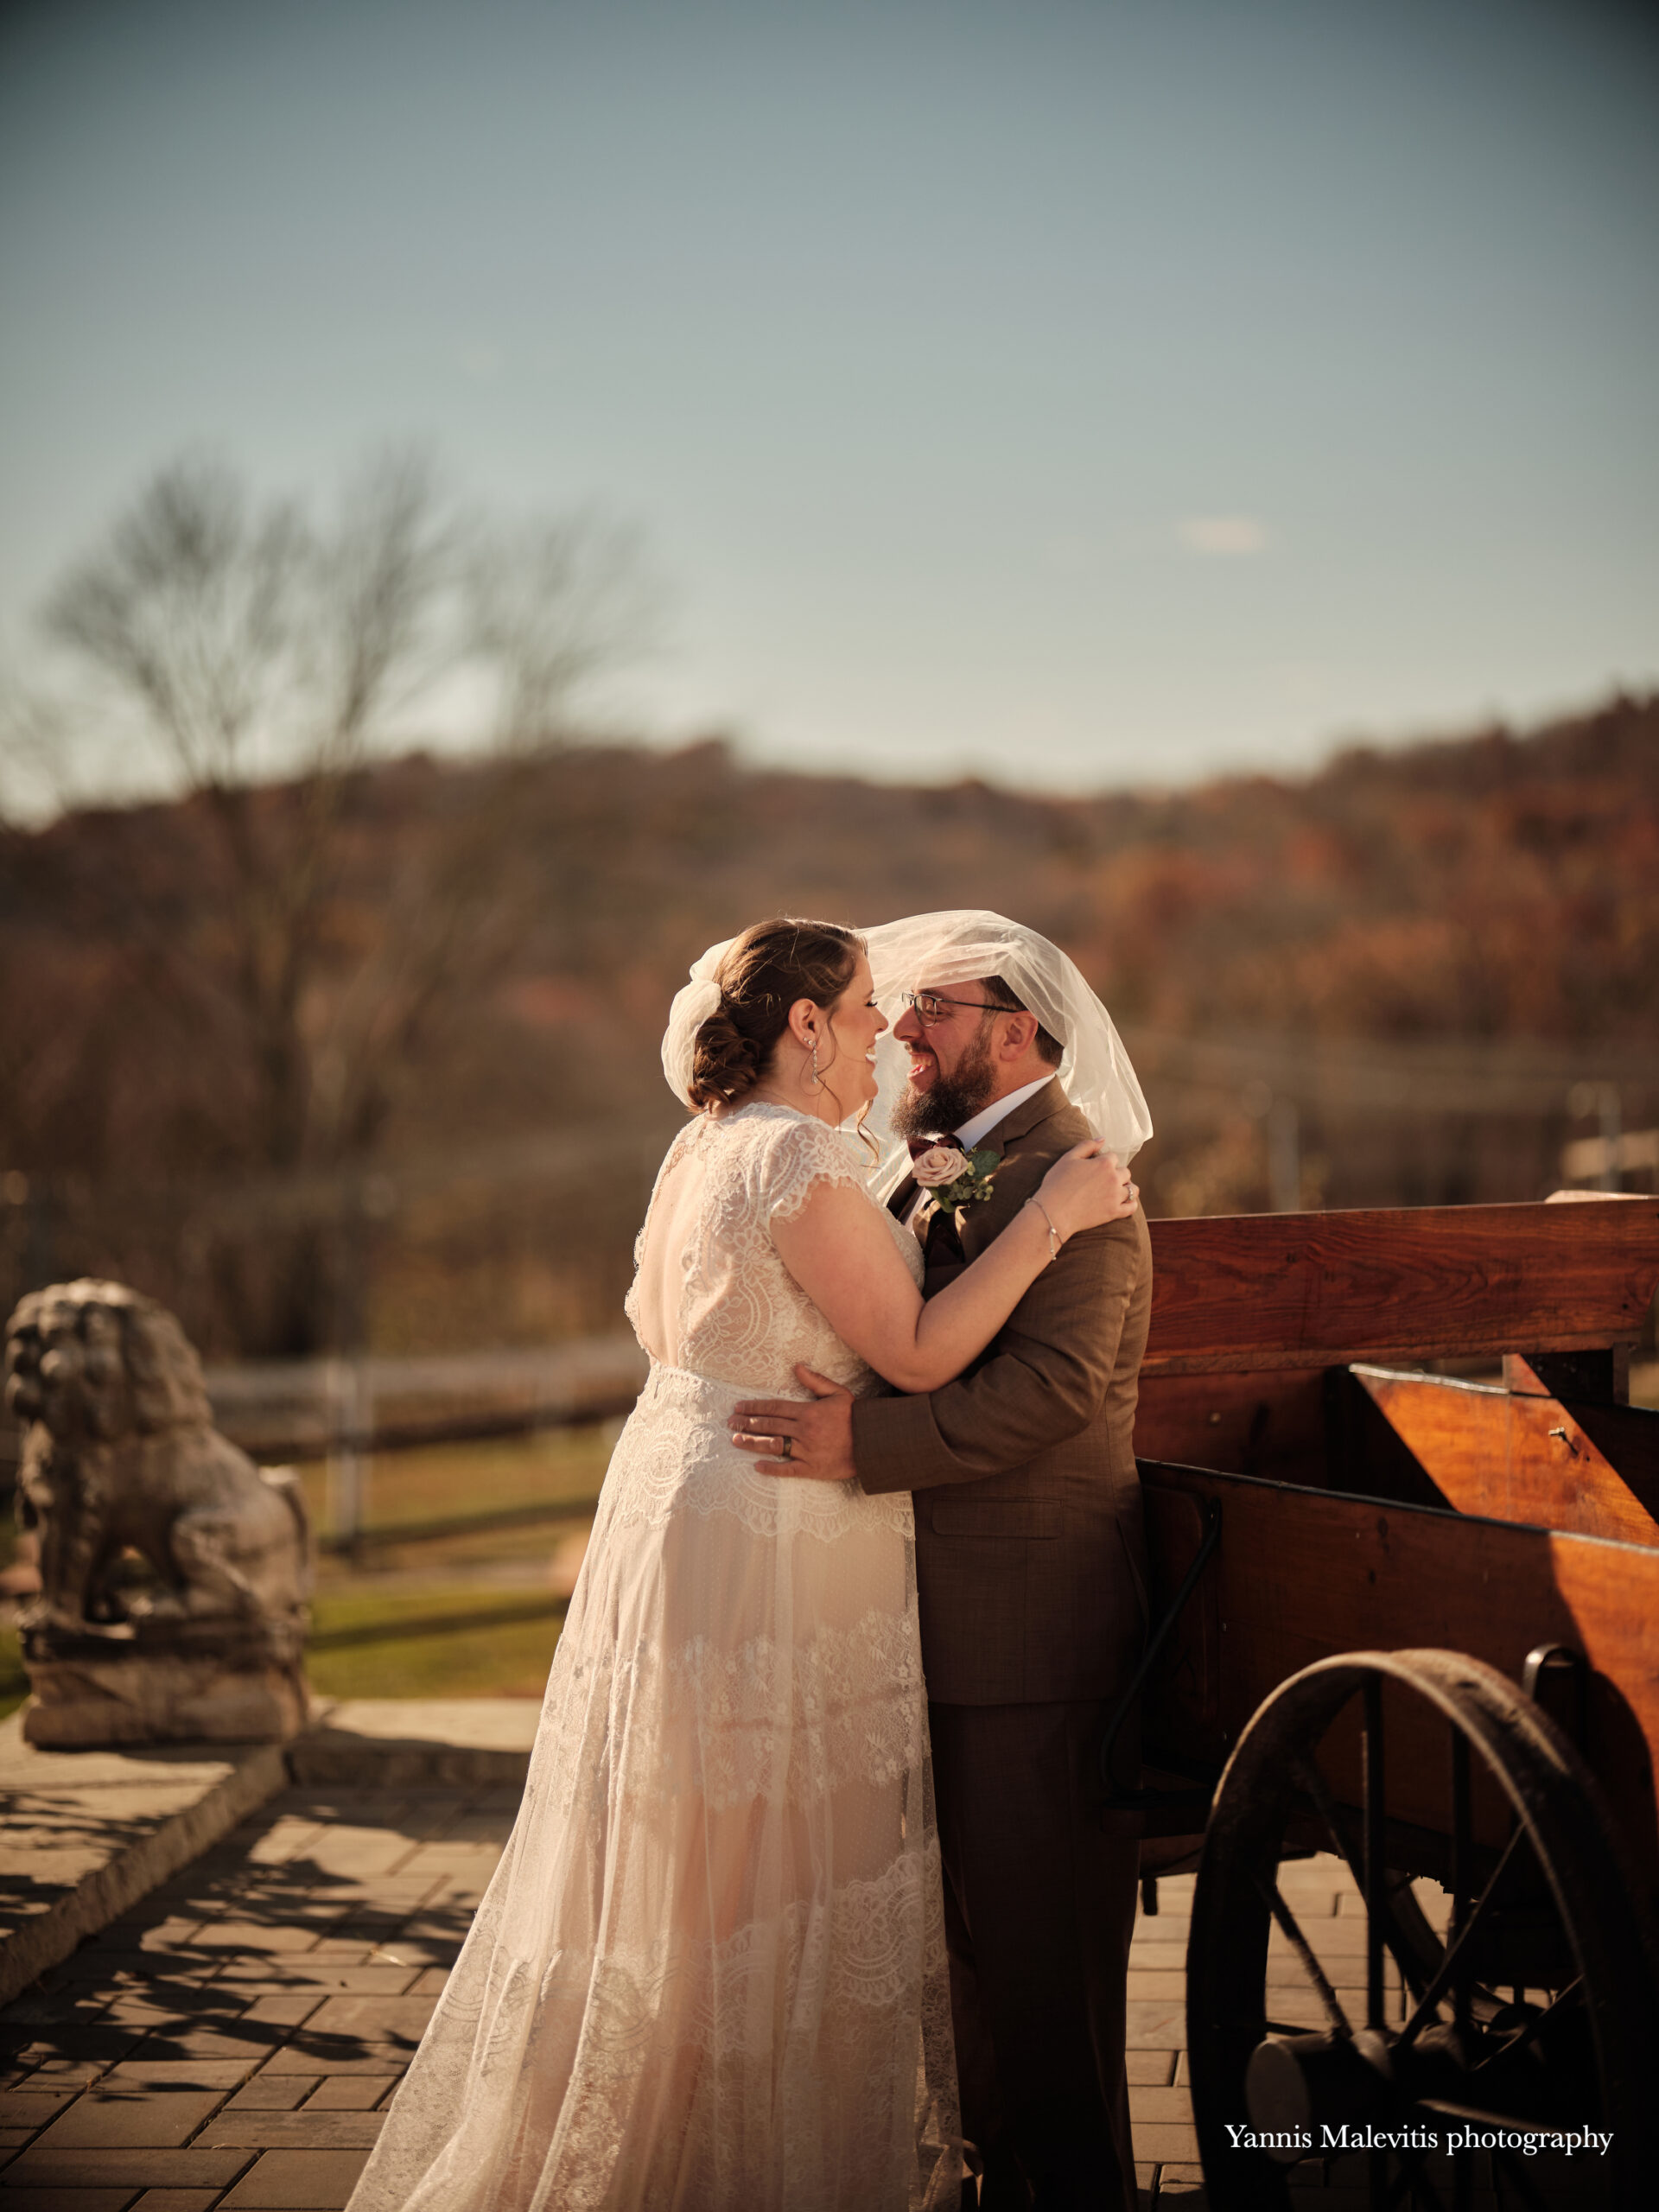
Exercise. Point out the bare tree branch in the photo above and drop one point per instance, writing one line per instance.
(187, 612)
(268, 659)
(551, 604)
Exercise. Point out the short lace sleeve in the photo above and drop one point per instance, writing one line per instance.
(805, 1152)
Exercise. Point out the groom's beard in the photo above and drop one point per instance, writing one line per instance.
(953, 1099)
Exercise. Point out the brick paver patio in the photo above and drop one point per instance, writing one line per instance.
(234, 2041)
(231, 2042)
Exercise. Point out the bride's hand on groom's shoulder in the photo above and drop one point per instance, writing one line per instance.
(811, 1438)
(1087, 1187)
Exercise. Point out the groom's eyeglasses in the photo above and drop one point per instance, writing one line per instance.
(929, 1007)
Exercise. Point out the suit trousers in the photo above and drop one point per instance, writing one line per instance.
(1039, 1909)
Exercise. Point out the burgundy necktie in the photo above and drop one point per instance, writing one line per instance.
(919, 1145)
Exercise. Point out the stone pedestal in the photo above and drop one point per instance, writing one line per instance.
(204, 1681)
(121, 1462)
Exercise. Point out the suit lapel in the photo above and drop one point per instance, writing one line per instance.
(1041, 1106)
(983, 1222)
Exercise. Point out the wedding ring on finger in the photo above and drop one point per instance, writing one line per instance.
(785, 1447)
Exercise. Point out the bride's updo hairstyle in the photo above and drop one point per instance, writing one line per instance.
(763, 973)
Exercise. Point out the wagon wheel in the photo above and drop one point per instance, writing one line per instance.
(1536, 2010)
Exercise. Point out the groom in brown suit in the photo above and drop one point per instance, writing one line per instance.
(1030, 1563)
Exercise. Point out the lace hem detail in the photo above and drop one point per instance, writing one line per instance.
(803, 2046)
(865, 1944)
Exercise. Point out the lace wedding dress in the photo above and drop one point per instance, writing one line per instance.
(709, 1972)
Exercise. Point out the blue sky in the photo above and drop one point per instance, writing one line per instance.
(1074, 392)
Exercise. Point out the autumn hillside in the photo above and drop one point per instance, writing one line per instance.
(416, 1018)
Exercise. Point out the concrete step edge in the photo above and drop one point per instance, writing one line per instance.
(105, 1892)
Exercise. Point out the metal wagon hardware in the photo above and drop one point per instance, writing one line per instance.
(1412, 1619)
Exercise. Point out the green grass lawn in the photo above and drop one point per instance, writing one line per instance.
(14, 1683)
(508, 1659)
(440, 1481)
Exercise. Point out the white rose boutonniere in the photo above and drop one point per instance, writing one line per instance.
(955, 1180)
(940, 1165)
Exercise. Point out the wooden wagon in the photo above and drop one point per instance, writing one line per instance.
(1411, 1618)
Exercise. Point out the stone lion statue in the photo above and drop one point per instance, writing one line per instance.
(120, 1453)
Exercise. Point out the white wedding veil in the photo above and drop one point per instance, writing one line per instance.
(959, 946)
(962, 944)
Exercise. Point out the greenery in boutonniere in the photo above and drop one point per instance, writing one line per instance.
(955, 1180)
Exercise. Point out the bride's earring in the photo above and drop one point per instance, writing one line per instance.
(817, 1080)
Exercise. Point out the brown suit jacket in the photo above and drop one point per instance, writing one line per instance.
(1030, 1551)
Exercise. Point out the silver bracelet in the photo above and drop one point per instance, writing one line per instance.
(1055, 1240)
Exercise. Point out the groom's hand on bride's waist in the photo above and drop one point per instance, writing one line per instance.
(814, 1438)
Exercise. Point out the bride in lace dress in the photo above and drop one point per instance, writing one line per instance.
(709, 1972)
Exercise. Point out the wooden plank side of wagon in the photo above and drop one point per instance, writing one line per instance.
(1264, 1422)
(1301, 1574)
(1517, 1456)
(1236, 1293)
